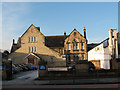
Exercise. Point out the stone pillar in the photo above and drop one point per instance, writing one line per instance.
(42, 68)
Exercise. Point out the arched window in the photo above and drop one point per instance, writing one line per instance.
(75, 45)
(82, 45)
(82, 56)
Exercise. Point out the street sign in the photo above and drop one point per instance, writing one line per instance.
(42, 67)
(1, 67)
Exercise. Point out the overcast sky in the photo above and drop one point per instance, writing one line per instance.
(57, 18)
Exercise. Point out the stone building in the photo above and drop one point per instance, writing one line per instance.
(57, 51)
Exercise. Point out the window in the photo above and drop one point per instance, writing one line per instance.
(75, 46)
(82, 45)
(29, 39)
(29, 49)
(68, 46)
(35, 49)
(105, 44)
(82, 56)
(32, 49)
(32, 39)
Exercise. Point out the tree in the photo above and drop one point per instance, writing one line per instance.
(5, 53)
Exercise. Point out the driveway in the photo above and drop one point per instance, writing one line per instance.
(24, 78)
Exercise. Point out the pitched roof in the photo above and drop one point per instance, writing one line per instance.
(78, 32)
(38, 28)
(93, 45)
(54, 41)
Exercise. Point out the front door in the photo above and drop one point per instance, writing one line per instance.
(31, 59)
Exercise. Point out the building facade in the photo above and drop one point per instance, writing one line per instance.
(104, 55)
(57, 51)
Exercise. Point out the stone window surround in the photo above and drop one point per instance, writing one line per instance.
(32, 49)
(32, 39)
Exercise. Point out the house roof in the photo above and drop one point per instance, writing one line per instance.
(78, 32)
(38, 28)
(93, 45)
(55, 41)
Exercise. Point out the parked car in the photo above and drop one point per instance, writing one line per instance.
(24, 67)
(14, 70)
(28, 66)
(91, 65)
(19, 68)
(71, 67)
(33, 66)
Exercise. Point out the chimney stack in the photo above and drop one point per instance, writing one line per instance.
(38, 28)
(13, 41)
(84, 32)
(64, 35)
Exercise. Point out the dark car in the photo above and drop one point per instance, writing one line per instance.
(33, 66)
(71, 67)
(14, 70)
(25, 68)
(19, 68)
(28, 66)
(91, 65)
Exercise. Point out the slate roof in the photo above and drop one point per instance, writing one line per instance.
(92, 45)
(54, 41)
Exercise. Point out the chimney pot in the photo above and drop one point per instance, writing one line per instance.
(84, 32)
(13, 41)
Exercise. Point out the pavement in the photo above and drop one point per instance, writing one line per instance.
(28, 78)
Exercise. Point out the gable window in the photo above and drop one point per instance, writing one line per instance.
(29, 49)
(29, 39)
(75, 45)
(35, 49)
(32, 39)
(32, 49)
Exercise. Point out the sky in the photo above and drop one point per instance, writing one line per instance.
(55, 18)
